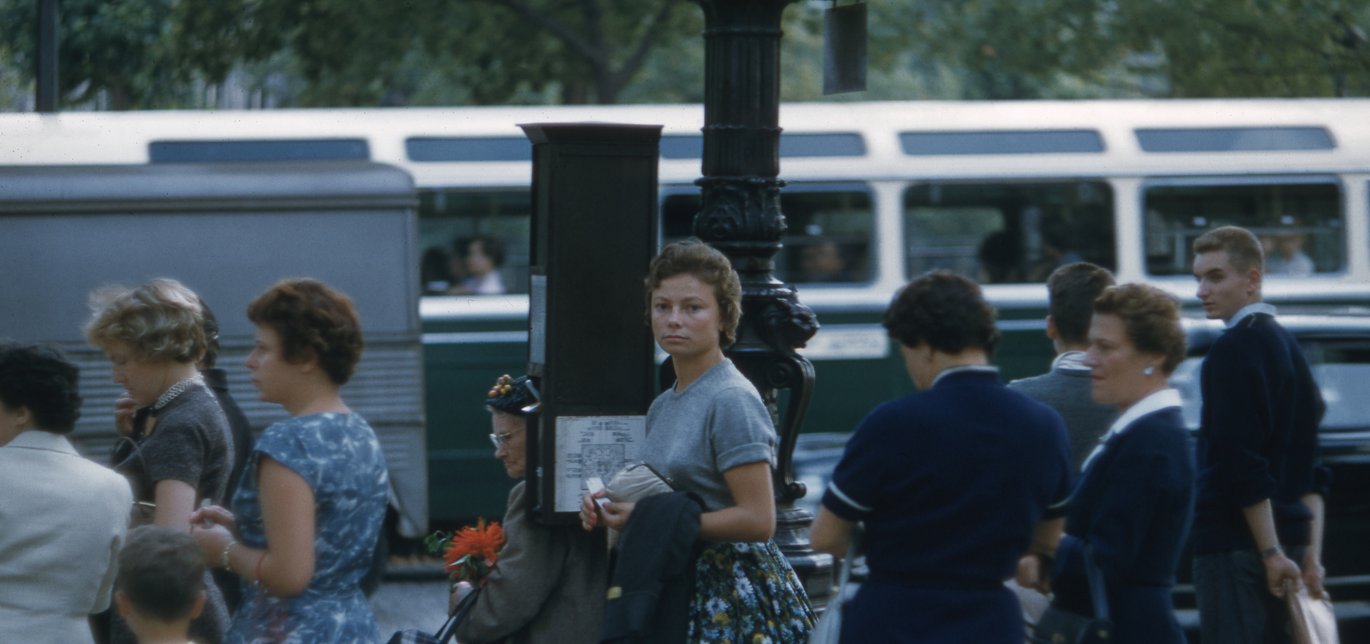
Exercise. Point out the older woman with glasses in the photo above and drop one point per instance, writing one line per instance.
(550, 581)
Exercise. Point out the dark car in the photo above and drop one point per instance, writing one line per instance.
(1338, 351)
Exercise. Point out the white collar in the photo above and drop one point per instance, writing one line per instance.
(39, 439)
(1252, 309)
(1153, 402)
(1071, 361)
(965, 368)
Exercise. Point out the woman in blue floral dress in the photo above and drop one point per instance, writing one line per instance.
(306, 517)
(712, 436)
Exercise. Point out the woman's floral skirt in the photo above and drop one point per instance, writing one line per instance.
(746, 593)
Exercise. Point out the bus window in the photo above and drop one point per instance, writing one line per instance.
(495, 224)
(827, 238)
(1299, 221)
(1001, 233)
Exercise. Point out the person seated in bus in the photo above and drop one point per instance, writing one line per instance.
(1284, 251)
(435, 272)
(823, 262)
(1000, 259)
(482, 257)
(550, 581)
(1057, 249)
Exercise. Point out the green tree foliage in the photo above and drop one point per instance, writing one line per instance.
(115, 47)
(149, 53)
(1202, 48)
(357, 52)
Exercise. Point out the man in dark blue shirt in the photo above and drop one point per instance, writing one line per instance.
(1258, 519)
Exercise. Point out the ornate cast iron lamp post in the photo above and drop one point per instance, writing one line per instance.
(741, 217)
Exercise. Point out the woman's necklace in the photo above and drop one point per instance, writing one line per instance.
(175, 390)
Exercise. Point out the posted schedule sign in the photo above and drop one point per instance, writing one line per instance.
(593, 446)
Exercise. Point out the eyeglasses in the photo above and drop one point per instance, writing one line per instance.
(501, 440)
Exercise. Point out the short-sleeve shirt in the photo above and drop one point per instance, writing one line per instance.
(715, 424)
(339, 457)
(190, 442)
(951, 481)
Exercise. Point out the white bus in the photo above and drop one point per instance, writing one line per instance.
(876, 193)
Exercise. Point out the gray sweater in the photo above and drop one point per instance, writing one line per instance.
(1068, 392)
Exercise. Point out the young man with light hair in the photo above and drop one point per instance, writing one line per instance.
(1258, 520)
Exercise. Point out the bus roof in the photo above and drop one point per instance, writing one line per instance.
(872, 140)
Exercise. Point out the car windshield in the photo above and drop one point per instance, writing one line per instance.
(1341, 368)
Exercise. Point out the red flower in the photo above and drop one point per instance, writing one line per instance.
(471, 552)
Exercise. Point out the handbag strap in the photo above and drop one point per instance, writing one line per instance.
(1098, 593)
(449, 628)
(844, 573)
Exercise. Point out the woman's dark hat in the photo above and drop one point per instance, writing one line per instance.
(516, 396)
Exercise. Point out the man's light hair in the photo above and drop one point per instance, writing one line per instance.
(1243, 250)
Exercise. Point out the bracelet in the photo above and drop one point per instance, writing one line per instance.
(1271, 551)
(223, 558)
(257, 570)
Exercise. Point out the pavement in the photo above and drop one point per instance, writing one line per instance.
(410, 604)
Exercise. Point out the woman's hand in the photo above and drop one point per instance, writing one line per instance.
(1032, 575)
(616, 514)
(589, 516)
(459, 592)
(611, 514)
(213, 539)
(124, 411)
(212, 515)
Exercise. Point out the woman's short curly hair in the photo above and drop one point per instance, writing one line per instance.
(161, 320)
(945, 310)
(707, 265)
(40, 379)
(1152, 320)
(313, 321)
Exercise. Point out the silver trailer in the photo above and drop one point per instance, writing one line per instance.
(228, 231)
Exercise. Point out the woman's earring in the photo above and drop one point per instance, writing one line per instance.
(1149, 371)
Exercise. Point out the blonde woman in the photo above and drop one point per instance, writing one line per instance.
(153, 335)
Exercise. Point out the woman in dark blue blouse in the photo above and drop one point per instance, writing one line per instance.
(952, 483)
(1133, 505)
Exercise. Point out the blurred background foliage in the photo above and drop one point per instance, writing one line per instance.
(147, 54)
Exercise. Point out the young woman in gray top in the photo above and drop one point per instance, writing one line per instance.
(182, 455)
(711, 435)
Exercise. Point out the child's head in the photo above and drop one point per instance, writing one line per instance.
(161, 579)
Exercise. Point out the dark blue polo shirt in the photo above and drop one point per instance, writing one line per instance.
(950, 483)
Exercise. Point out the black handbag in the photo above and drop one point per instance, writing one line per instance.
(1060, 626)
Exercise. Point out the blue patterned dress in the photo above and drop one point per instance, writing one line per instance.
(340, 458)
